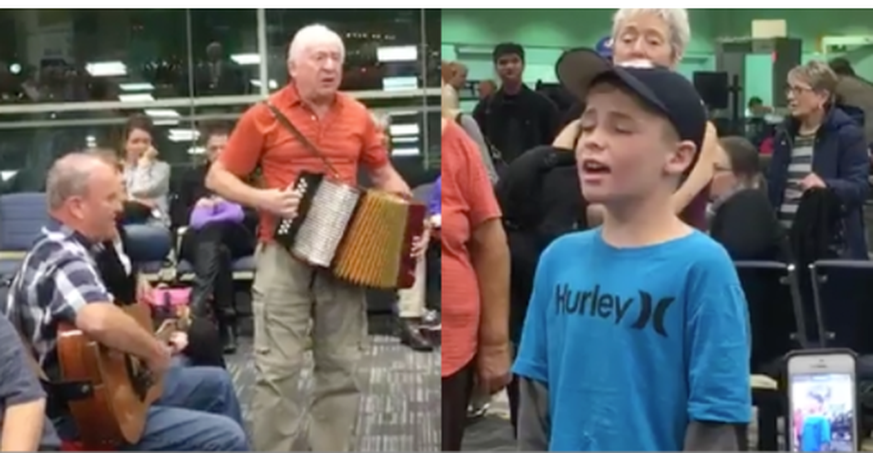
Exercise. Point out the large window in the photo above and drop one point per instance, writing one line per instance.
(70, 78)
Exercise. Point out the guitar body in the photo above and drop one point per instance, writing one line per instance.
(123, 388)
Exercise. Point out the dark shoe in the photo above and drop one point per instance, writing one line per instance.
(228, 337)
(410, 335)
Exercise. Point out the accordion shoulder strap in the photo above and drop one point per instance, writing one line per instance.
(290, 127)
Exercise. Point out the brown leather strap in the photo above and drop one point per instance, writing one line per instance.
(31, 357)
(290, 127)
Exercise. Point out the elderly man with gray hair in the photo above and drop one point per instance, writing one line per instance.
(292, 300)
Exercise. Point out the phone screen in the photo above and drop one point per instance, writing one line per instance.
(823, 406)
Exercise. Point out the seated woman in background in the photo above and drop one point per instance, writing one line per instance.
(147, 182)
(120, 273)
(742, 219)
(217, 235)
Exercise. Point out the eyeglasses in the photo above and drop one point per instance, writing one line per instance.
(797, 90)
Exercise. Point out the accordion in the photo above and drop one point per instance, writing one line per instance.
(362, 236)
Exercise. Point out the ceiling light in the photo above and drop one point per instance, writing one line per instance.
(397, 130)
(246, 58)
(405, 152)
(6, 175)
(270, 84)
(196, 150)
(136, 97)
(394, 54)
(145, 86)
(162, 113)
(399, 83)
(184, 135)
(106, 69)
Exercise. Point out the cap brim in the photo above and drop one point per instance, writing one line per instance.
(577, 68)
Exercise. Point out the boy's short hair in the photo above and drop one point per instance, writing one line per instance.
(666, 92)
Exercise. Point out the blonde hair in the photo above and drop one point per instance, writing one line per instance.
(817, 74)
(676, 20)
(450, 104)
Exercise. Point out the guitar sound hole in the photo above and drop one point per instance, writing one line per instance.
(140, 377)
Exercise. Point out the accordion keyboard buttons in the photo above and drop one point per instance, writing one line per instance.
(326, 221)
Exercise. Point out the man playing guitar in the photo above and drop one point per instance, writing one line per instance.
(59, 283)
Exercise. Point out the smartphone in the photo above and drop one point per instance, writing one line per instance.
(823, 405)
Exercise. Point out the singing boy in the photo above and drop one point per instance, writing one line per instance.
(636, 336)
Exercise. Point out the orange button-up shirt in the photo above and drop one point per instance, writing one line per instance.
(346, 135)
(467, 201)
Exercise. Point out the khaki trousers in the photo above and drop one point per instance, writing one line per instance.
(290, 302)
(411, 301)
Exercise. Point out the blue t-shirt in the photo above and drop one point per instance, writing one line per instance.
(815, 433)
(634, 343)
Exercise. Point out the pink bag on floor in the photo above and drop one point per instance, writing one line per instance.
(171, 297)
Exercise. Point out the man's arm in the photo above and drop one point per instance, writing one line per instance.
(81, 299)
(238, 160)
(718, 346)
(490, 257)
(852, 186)
(20, 392)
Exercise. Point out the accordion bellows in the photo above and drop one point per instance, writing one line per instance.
(363, 236)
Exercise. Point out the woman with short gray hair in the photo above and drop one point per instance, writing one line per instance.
(820, 146)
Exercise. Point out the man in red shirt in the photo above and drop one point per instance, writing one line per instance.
(291, 299)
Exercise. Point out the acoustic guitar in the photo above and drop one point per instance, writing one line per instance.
(122, 388)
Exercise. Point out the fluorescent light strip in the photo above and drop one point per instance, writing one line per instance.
(162, 113)
(145, 86)
(196, 150)
(106, 69)
(270, 84)
(406, 152)
(399, 83)
(395, 54)
(246, 59)
(398, 130)
(135, 97)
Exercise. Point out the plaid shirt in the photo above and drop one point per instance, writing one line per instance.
(58, 277)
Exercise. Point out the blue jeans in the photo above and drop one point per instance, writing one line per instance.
(199, 411)
(147, 242)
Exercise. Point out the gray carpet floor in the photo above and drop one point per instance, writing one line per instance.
(400, 407)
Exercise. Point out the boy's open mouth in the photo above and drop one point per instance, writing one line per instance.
(594, 167)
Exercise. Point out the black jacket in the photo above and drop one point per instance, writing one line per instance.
(817, 232)
(516, 123)
(746, 226)
(540, 198)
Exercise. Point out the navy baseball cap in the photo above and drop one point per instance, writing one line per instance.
(662, 89)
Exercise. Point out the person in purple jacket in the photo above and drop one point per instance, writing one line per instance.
(219, 232)
(211, 251)
(434, 205)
